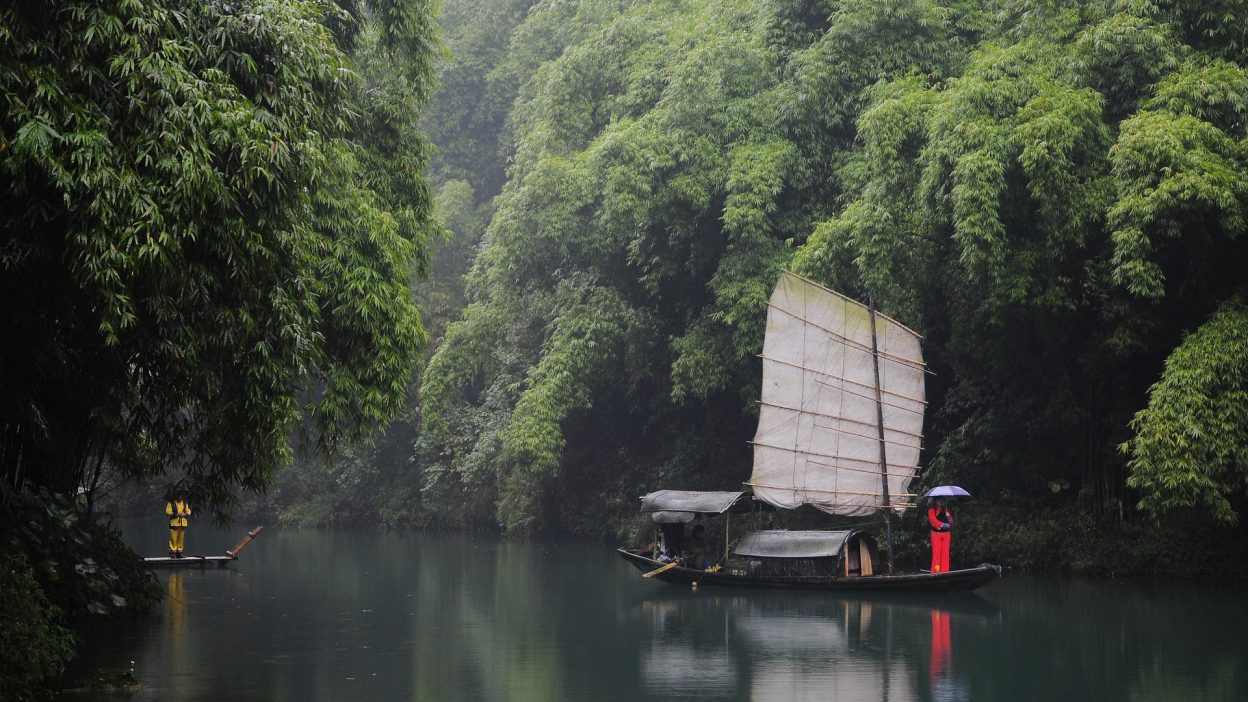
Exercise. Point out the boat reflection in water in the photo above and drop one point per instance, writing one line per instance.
(806, 647)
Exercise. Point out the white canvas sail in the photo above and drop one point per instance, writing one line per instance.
(818, 433)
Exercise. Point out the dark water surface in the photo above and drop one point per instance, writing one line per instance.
(309, 615)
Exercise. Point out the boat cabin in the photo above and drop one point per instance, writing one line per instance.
(771, 553)
(781, 553)
(674, 510)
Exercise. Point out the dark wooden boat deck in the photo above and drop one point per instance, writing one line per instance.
(953, 581)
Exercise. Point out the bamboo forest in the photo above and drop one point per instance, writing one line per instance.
(487, 289)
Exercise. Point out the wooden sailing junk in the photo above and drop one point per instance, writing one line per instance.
(840, 429)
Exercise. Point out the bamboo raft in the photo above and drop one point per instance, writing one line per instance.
(202, 561)
(187, 561)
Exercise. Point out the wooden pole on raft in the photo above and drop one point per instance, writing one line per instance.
(233, 553)
(879, 417)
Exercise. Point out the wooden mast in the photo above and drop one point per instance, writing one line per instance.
(879, 417)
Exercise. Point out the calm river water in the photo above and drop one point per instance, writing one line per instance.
(309, 615)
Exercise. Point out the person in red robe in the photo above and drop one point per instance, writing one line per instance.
(940, 518)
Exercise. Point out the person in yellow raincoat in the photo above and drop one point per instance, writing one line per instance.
(178, 510)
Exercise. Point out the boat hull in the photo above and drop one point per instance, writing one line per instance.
(953, 581)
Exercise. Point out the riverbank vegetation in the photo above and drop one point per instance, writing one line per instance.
(211, 216)
(1052, 193)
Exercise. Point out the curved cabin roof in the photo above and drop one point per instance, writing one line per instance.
(675, 506)
(793, 544)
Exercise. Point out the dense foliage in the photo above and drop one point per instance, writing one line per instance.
(379, 484)
(60, 565)
(210, 216)
(34, 642)
(1052, 193)
(1191, 442)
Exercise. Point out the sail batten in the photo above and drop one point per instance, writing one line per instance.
(819, 437)
(921, 402)
(808, 455)
(839, 427)
(836, 492)
(850, 342)
(835, 418)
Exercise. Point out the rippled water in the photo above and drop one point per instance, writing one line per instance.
(359, 615)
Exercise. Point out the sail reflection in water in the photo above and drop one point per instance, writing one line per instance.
(782, 646)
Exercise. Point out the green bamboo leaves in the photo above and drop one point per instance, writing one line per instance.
(1051, 192)
(1180, 161)
(627, 258)
(1191, 443)
(211, 214)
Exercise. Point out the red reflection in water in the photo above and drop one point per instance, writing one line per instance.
(940, 645)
